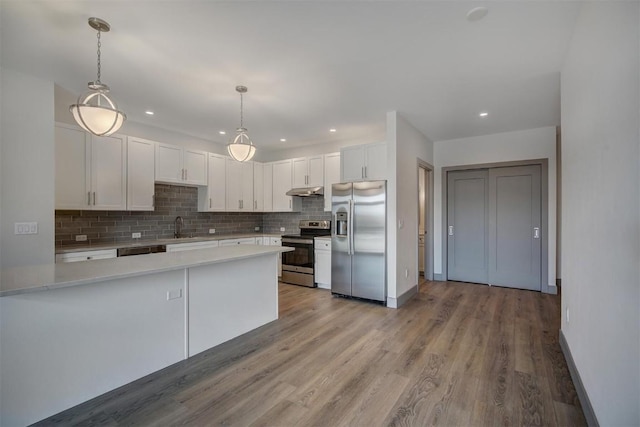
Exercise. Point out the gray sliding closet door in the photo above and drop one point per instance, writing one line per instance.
(515, 233)
(467, 225)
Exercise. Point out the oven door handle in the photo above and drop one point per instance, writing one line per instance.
(297, 241)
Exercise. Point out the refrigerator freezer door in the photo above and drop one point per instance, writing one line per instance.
(340, 243)
(369, 240)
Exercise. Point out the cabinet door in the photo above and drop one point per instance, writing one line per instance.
(323, 269)
(140, 174)
(246, 189)
(282, 177)
(109, 172)
(233, 185)
(216, 189)
(195, 167)
(331, 176)
(72, 154)
(169, 163)
(375, 166)
(315, 174)
(352, 160)
(258, 187)
(267, 187)
(300, 167)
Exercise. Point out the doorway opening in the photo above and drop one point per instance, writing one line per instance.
(425, 221)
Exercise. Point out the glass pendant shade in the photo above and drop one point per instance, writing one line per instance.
(241, 149)
(95, 112)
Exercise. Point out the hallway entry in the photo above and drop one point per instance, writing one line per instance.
(494, 226)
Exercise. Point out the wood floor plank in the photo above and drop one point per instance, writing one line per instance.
(456, 354)
(414, 405)
(377, 402)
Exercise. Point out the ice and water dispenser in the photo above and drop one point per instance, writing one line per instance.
(341, 224)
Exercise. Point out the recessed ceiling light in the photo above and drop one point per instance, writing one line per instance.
(149, 113)
(477, 13)
(222, 132)
(283, 140)
(332, 130)
(483, 114)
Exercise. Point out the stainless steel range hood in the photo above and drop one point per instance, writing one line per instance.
(306, 191)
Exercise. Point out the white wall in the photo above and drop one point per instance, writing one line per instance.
(601, 208)
(405, 145)
(502, 147)
(27, 171)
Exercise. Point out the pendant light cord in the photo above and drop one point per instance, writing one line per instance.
(241, 110)
(99, 45)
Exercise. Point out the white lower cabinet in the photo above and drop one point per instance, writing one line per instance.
(322, 267)
(179, 247)
(86, 255)
(242, 241)
(276, 241)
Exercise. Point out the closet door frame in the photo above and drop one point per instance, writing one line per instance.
(544, 182)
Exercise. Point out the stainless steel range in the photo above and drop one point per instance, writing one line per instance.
(297, 266)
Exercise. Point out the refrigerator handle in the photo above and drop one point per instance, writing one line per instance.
(350, 223)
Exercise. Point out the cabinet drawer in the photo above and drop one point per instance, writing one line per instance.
(86, 255)
(243, 241)
(322, 245)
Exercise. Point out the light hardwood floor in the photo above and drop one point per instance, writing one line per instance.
(457, 354)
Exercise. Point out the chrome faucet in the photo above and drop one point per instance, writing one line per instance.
(178, 223)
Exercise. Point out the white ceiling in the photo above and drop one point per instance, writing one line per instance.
(309, 65)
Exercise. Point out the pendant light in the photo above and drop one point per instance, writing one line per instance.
(241, 149)
(95, 112)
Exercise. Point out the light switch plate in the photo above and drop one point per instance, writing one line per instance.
(281, 228)
(25, 228)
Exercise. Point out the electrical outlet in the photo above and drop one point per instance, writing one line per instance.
(81, 238)
(212, 231)
(567, 314)
(136, 235)
(257, 228)
(281, 228)
(406, 273)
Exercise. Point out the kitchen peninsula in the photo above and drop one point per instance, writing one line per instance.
(71, 332)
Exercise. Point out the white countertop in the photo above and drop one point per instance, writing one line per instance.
(148, 242)
(19, 280)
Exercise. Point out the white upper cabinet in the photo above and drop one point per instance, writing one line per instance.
(177, 165)
(364, 162)
(212, 198)
(258, 187)
(283, 182)
(109, 172)
(267, 182)
(239, 186)
(90, 170)
(140, 174)
(72, 154)
(308, 172)
(331, 176)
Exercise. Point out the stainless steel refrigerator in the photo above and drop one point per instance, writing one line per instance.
(359, 240)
